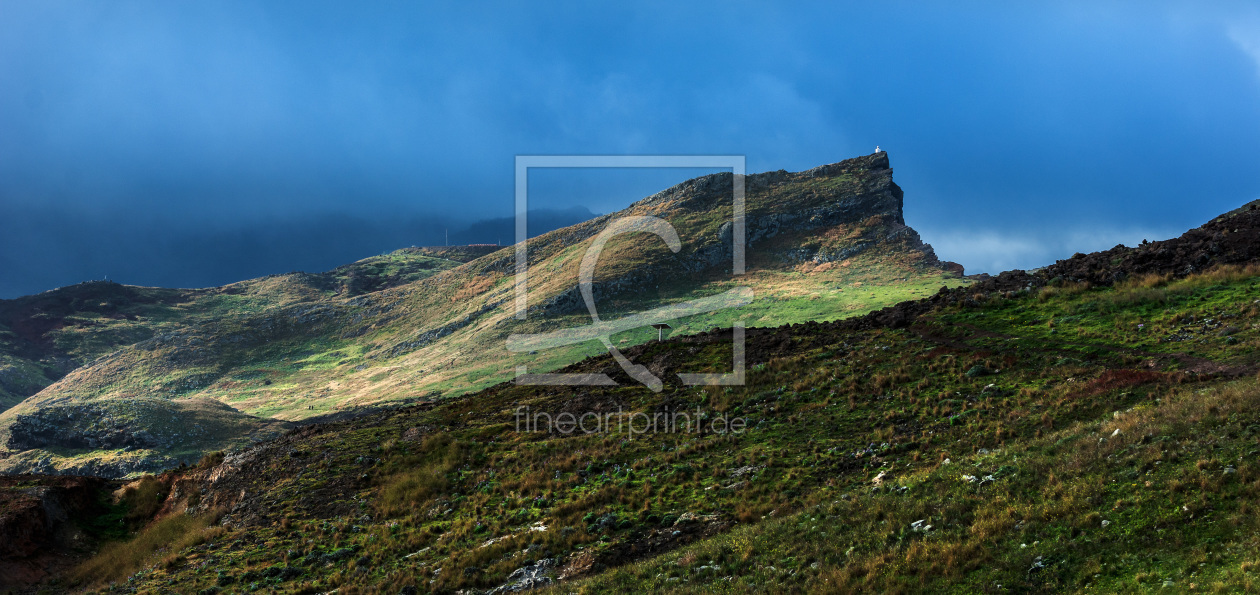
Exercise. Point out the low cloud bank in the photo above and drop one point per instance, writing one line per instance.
(991, 251)
(41, 249)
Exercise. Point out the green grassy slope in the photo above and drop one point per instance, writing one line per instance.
(1028, 441)
(824, 244)
(44, 336)
(1072, 476)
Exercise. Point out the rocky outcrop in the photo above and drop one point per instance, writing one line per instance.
(37, 522)
(1231, 239)
(778, 203)
(893, 236)
(143, 461)
(525, 578)
(129, 435)
(49, 428)
(33, 510)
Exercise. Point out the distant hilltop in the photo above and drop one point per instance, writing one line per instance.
(461, 253)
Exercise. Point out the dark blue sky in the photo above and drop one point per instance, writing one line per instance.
(195, 143)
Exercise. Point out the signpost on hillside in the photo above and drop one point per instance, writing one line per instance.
(660, 330)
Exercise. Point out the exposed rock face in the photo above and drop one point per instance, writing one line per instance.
(874, 193)
(36, 523)
(49, 428)
(527, 577)
(142, 435)
(777, 203)
(31, 516)
(871, 192)
(143, 461)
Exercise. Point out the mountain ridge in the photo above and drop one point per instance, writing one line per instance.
(814, 239)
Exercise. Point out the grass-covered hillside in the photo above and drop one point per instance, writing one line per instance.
(409, 327)
(44, 336)
(1031, 433)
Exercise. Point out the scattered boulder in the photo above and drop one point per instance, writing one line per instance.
(691, 517)
(529, 577)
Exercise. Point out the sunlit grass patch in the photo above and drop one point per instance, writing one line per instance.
(161, 540)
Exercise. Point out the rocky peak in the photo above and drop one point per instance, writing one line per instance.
(875, 176)
(873, 162)
(867, 190)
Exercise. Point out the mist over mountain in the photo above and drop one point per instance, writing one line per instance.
(84, 246)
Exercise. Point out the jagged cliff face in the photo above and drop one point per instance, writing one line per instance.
(847, 192)
(822, 244)
(870, 194)
(871, 190)
(857, 192)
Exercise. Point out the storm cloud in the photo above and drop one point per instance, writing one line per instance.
(192, 144)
